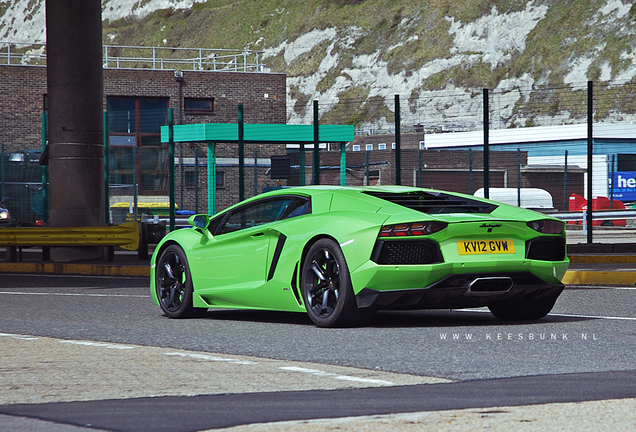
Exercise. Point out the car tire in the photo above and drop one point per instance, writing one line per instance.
(326, 287)
(173, 284)
(524, 310)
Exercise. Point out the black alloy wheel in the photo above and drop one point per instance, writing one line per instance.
(174, 284)
(326, 286)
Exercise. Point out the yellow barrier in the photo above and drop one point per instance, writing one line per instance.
(125, 235)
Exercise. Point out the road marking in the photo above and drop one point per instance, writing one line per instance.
(599, 287)
(596, 317)
(98, 344)
(335, 376)
(17, 336)
(78, 294)
(482, 310)
(211, 358)
(74, 276)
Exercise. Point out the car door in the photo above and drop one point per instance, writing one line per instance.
(233, 265)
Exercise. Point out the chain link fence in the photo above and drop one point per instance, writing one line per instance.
(528, 145)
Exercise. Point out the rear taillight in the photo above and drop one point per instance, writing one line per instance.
(412, 229)
(547, 226)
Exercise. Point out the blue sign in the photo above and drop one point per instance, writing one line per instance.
(624, 185)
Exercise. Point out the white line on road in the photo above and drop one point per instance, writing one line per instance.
(211, 358)
(485, 310)
(98, 344)
(336, 376)
(78, 294)
(595, 317)
(17, 336)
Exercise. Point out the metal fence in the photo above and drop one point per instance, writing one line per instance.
(548, 149)
(161, 58)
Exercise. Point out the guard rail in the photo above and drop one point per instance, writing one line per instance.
(125, 236)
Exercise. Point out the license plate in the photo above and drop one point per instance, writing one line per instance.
(478, 247)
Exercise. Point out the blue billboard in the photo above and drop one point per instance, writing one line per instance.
(624, 186)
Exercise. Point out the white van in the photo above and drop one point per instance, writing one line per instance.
(531, 198)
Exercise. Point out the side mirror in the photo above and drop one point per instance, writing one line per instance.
(200, 221)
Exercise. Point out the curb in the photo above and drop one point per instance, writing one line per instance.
(76, 269)
(602, 259)
(587, 277)
(624, 277)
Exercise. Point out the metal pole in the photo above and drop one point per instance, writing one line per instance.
(211, 178)
(196, 179)
(316, 156)
(179, 79)
(2, 171)
(366, 166)
(45, 176)
(343, 164)
(106, 169)
(135, 185)
(470, 170)
(566, 202)
(171, 167)
(241, 155)
(611, 192)
(398, 154)
(518, 178)
(486, 149)
(255, 172)
(419, 167)
(301, 162)
(590, 150)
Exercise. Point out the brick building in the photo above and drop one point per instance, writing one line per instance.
(137, 102)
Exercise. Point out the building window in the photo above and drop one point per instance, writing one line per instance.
(220, 179)
(393, 146)
(422, 145)
(368, 147)
(190, 179)
(356, 147)
(374, 178)
(136, 154)
(382, 146)
(198, 105)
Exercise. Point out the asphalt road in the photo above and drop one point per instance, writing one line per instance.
(404, 362)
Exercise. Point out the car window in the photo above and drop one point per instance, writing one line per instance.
(262, 212)
(258, 213)
(298, 207)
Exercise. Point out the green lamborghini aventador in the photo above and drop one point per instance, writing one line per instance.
(341, 253)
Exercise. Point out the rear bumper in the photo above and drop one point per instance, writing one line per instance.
(462, 291)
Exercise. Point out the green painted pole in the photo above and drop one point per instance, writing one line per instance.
(106, 172)
(196, 179)
(255, 172)
(45, 176)
(2, 171)
(211, 178)
(241, 155)
(566, 201)
(518, 177)
(316, 156)
(590, 159)
(301, 163)
(173, 215)
(398, 153)
(343, 164)
(486, 147)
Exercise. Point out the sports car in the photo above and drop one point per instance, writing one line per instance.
(341, 253)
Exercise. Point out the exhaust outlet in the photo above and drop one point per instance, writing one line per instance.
(484, 286)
